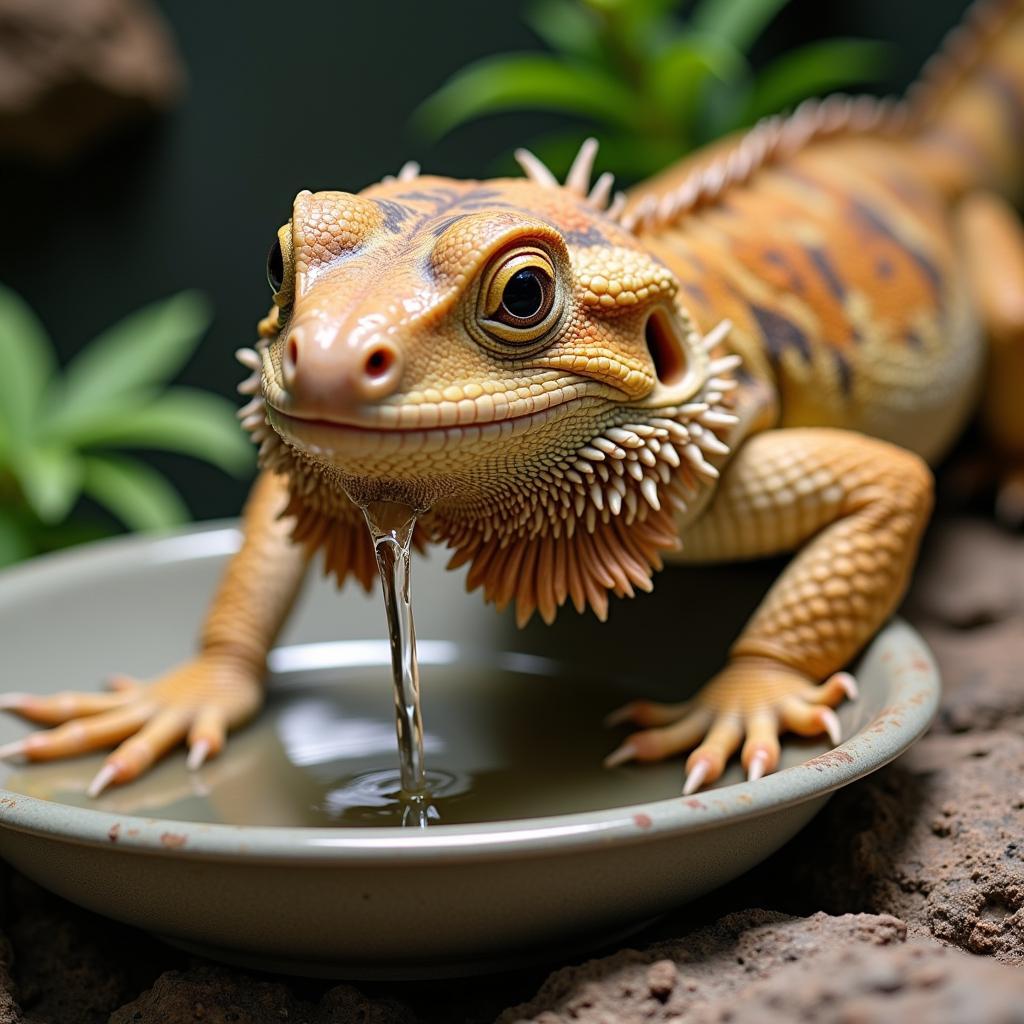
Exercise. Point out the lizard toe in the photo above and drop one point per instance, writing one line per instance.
(62, 707)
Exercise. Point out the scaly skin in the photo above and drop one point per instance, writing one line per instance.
(759, 351)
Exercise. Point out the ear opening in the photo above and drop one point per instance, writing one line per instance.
(666, 347)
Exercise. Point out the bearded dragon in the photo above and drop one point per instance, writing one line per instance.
(760, 351)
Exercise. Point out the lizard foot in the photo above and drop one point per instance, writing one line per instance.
(199, 701)
(750, 702)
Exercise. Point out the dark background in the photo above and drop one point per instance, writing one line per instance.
(285, 96)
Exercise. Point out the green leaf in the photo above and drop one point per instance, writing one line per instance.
(27, 362)
(738, 22)
(639, 9)
(817, 69)
(525, 82)
(15, 543)
(567, 27)
(630, 29)
(50, 478)
(181, 420)
(677, 75)
(139, 496)
(146, 348)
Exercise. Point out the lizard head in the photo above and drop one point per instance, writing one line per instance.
(503, 356)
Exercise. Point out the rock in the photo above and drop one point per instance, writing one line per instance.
(915, 983)
(756, 967)
(971, 573)
(347, 1005)
(982, 677)
(70, 966)
(672, 980)
(213, 995)
(9, 1011)
(216, 995)
(72, 71)
(968, 602)
(937, 839)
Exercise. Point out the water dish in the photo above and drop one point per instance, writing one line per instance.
(253, 859)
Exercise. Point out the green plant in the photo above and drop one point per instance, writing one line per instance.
(650, 85)
(59, 432)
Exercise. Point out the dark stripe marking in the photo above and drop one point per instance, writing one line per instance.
(845, 372)
(583, 237)
(824, 266)
(696, 292)
(443, 225)
(780, 333)
(778, 259)
(395, 215)
(876, 224)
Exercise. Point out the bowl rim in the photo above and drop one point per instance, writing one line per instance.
(913, 702)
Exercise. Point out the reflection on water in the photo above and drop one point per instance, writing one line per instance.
(510, 736)
(314, 730)
(375, 798)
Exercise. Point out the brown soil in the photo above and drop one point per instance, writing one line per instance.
(903, 900)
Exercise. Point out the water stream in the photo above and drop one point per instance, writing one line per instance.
(391, 528)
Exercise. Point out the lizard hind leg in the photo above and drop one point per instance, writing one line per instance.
(993, 244)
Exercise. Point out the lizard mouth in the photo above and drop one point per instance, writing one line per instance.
(325, 436)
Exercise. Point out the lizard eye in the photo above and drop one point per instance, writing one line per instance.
(518, 299)
(275, 266)
(525, 296)
(279, 268)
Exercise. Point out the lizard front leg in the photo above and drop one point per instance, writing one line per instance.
(858, 506)
(200, 700)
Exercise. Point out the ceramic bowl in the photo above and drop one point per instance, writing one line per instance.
(538, 846)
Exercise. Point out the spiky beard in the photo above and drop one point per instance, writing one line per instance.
(592, 521)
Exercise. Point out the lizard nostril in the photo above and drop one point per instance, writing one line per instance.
(290, 363)
(665, 348)
(379, 361)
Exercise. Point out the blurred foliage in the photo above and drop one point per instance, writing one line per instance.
(651, 85)
(60, 432)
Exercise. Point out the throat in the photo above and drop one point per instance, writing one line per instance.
(591, 526)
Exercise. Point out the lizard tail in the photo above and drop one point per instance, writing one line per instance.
(967, 107)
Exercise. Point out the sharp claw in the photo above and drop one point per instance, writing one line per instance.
(104, 777)
(848, 683)
(619, 716)
(758, 763)
(15, 749)
(621, 755)
(13, 701)
(830, 723)
(696, 778)
(197, 755)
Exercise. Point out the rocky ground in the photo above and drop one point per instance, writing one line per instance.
(903, 900)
